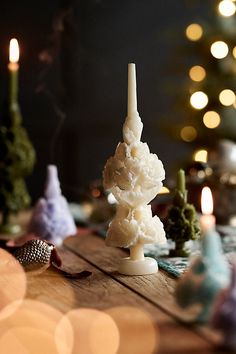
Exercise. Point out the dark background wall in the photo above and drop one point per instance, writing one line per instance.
(73, 78)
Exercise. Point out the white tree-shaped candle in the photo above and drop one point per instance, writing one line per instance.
(134, 176)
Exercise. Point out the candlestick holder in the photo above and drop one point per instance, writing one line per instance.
(207, 275)
(182, 224)
(17, 158)
(134, 176)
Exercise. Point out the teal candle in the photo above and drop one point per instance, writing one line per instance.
(181, 181)
(13, 70)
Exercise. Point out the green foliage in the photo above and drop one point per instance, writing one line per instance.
(182, 224)
(17, 158)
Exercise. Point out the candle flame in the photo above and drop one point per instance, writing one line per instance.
(14, 51)
(206, 201)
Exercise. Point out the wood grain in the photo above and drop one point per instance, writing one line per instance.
(106, 289)
(103, 292)
(158, 288)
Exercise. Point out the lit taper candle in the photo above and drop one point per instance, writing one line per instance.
(13, 67)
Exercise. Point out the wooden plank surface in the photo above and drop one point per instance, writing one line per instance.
(103, 292)
(105, 289)
(158, 288)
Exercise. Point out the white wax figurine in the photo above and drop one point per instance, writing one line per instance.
(51, 219)
(134, 176)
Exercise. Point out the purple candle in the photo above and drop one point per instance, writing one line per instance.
(51, 219)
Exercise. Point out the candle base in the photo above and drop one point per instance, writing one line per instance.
(146, 266)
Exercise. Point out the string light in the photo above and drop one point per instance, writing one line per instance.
(164, 190)
(96, 193)
(194, 32)
(200, 156)
(219, 49)
(211, 119)
(227, 8)
(234, 52)
(188, 133)
(197, 73)
(199, 100)
(111, 199)
(227, 97)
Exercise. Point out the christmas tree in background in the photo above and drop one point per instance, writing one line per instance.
(204, 114)
(206, 105)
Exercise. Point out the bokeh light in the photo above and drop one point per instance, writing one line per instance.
(200, 155)
(227, 8)
(211, 119)
(197, 73)
(96, 193)
(137, 331)
(194, 32)
(31, 329)
(199, 100)
(111, 199)
(13, 284)
(23, 340)
(219, 49)
(227, 97)
(234, 52)
(164, 190)
(188, 133)
(95, 332)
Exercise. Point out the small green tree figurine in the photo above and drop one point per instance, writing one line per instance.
(17, 158)
(182, 224)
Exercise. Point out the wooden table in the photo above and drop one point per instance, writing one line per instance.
(105, 289)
